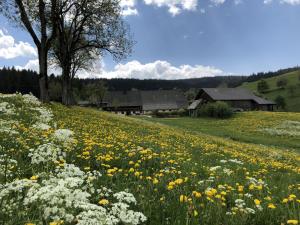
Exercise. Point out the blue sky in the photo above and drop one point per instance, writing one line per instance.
(190, 38)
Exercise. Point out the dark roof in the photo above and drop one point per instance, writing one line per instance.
(195, 104)
(122, 98)
(227, 94)
(263, 101)
(163, 100)
(148, 100)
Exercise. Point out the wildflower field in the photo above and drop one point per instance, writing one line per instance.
(81, 166)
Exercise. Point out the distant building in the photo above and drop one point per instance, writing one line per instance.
(237, 98)
(144, 101)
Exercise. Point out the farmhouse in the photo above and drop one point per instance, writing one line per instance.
(237, 98)
(144, 101)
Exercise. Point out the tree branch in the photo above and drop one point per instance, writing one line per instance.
(27, 23)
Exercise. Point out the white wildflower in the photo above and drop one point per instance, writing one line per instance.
(227, 171)
(46, 153)
(125, 197)
(41, 126)
(7, 108)
(236, 161)
(215, 168)
(64, 135)
(31, 99)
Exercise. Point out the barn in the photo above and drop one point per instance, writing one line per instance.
(237, 98)
(134, 102)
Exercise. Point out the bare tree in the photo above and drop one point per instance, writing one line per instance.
(35, 16)
(86, 30)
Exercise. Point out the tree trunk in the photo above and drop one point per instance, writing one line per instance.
(67, 90)
(43, 76)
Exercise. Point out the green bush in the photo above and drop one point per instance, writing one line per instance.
(175, 113)
(262, 86)
(280, 102)
(216, 110)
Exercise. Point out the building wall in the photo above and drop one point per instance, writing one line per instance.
(265, 107)
(243, 104)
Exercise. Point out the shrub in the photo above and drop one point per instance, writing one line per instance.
(280, 101)
(281, 83)
(216, 110)
(262, 86)
(291, 89)
(175, 113)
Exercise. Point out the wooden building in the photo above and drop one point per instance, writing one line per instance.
(237, 98)
(136, 102)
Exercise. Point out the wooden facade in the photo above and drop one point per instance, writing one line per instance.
(137, 102)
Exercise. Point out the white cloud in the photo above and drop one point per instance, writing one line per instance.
(268, 1)
(33, 65)
(128, 7)
(291, 2)
(218, 2)
(129, 12)
(155, 70)
(30, 65)
(175, 7)
(9, 49)
(237, 2)
(134, 69)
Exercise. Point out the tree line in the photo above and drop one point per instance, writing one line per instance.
(26, 81)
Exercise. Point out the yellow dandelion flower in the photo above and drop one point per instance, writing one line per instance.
(195, 213)
(197, 194)
(170, 187)
(285, 200)
(178, 181)
(271, 206)
(103, 202)
(155, 181)
(257, 202)
(56, 222)
(240, 188)
(183, 198)
(34, 177)
(292, 197)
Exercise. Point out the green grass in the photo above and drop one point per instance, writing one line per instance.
(243, 127)
(293, 102)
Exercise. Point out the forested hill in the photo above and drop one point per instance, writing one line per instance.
(265, 75)
(153, 84)
(12, 80)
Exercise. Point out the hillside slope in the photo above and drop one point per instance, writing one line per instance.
(51, 156)
(249, 127)
(293, 101)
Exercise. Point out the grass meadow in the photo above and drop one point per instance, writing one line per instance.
(77, 165)
(248, 127)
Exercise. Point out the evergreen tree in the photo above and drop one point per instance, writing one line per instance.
(282, 82)
(262, 86)
(280, 101)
